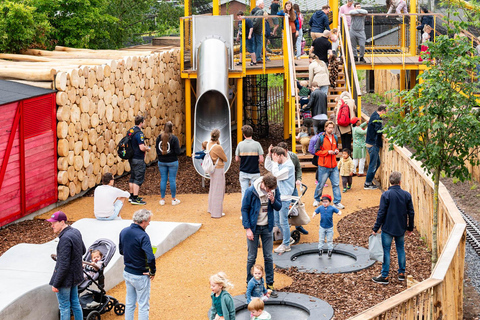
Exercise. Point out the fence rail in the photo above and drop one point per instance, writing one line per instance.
(441, 295)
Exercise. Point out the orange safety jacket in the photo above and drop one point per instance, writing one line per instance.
(324, 159)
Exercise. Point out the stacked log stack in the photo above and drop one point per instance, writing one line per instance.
(97, 104)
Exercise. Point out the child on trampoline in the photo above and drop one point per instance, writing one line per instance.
(325, 231)
(256, 285)
(222, 302)
(92, 268)
(257, 310)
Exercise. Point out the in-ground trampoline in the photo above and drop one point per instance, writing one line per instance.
(288, 306)
(345, 258)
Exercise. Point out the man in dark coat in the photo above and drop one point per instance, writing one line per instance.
(136, 249)
(258, 204)
(395, 217)
(317, 104)
(319, 22)
(374, 143)
(68, 272)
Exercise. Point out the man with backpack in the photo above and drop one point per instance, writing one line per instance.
(137, 163)
(374, 143)
(344, 112)
(326, 149)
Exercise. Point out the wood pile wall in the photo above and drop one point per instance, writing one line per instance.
(99, 94)
(97, 105)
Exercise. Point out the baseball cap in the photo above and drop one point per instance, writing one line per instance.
(58, 216)
(326, 197)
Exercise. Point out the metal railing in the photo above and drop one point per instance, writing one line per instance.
(349, 68)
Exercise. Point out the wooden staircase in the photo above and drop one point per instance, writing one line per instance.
(302, 73)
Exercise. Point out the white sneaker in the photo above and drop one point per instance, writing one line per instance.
(282, 248)
(162, 202)
(316, 203)
(292, 241)
(339, 206)
(223, 214)
(175, 202)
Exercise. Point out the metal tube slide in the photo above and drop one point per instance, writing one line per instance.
(212, 109)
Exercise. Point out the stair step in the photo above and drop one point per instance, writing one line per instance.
(307, 166)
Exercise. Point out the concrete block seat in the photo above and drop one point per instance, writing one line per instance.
(26, 269)
(288, 306)
(345, 258)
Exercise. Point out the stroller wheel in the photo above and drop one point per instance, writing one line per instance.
(119, 309)
(295, 235)
(93, 315)
(109, 306)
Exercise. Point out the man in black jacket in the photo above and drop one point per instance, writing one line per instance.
(68, 272)
(139, 262)
(374, 143)
(317, 104)
(395, 217)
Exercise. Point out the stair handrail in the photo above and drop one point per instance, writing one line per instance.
(350, 70)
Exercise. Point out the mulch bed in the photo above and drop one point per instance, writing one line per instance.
(30, 231)
(189, 181)
(350, 293)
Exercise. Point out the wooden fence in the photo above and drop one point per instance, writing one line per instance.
(441, 295)
(275, 102)
(385, 81)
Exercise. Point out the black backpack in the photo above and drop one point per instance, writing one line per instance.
(124, 148)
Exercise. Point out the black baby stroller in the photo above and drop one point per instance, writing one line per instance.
(297, 216)
(96, 302)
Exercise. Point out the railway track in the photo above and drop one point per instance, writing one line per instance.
(473, 232)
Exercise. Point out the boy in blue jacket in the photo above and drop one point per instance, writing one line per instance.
(259, 202)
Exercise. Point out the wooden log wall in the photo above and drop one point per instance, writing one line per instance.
(440, 296)
(385, 81)
(96, 105)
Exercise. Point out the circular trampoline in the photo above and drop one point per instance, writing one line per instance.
(345, 258)
(288, 306)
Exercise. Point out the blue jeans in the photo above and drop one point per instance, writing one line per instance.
(246, 180)
(324, 89)
(281, 221)
(299, 43)
(68, 299)
(267, 247)
(117, 207)
(138, 290)
(322, 175)
(374, 163)
(399, 245)
(258, 45)
(168, 171)
(325, 233)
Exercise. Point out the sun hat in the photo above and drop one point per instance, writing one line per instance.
(327, 197)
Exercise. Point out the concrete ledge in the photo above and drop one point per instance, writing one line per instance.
(26, 269)
(317, 309)
(359, 256)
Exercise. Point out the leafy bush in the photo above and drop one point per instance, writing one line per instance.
(21, 27)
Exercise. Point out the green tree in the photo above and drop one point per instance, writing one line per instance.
(21, 27)
(79, 23)
(442, 125)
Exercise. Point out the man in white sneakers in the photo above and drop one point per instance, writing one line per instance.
(108, 201)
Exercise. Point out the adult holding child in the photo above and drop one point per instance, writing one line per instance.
(168, 150)
(318, 106)
(217, 177)
(319, 22)
(281, 166)
(108, 201)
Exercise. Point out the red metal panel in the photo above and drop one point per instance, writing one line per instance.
(10, 189)
(40, 140)
(37, 119)
(28, 157)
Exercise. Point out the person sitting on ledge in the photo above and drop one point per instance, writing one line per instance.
(108, 200)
